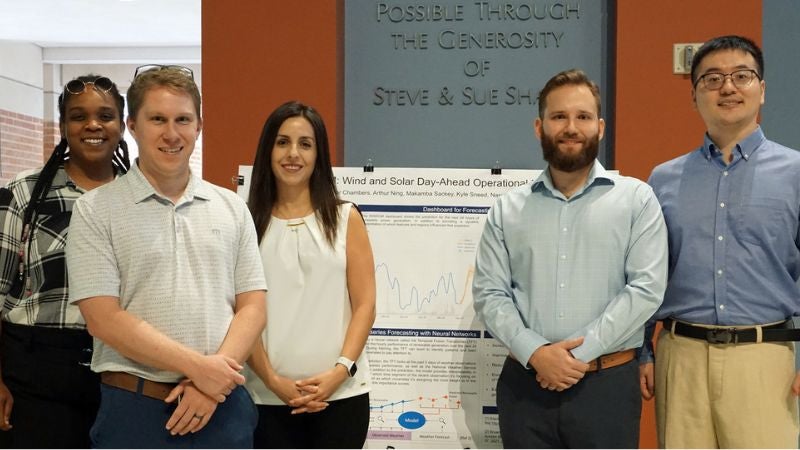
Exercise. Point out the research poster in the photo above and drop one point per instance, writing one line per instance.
(434, 368)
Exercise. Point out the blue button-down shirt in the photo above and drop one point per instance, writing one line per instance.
(550, 268)
(734, 234)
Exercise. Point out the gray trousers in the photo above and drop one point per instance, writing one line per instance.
(601, 411)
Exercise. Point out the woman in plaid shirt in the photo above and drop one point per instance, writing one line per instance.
(48, 394)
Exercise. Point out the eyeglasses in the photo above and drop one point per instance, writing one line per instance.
(148, 67)
(78, 86)
(740, 78)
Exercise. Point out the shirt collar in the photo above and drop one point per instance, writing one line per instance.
(61, 179)
(142, 189)
(746, 147)
(597, 173)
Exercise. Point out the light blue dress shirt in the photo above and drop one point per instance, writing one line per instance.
(550, 268)
(734, 234)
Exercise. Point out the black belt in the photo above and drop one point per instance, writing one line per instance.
(779, 332)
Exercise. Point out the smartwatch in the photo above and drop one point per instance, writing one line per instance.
(348, 364)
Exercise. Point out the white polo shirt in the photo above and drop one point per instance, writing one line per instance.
(176, 266)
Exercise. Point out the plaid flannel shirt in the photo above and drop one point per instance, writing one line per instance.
(44, 301)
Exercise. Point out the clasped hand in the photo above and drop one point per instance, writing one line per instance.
(309, 395)
(194, 409)
(556, 368)
(217, 375)
(212, 380)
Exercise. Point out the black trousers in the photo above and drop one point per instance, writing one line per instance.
(343, 424)
(56, 395)
(601, 411)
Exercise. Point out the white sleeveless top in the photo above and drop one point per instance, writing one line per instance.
(308, 305)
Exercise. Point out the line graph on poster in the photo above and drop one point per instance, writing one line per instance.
(446, 293)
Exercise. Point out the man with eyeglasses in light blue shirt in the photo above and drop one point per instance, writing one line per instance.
(568, 270)
(725, 366)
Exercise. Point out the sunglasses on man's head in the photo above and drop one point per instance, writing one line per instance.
(148, 67)
(77, 86)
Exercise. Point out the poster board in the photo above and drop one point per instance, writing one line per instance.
(434, 368)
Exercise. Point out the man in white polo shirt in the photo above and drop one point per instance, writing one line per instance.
(165, 269)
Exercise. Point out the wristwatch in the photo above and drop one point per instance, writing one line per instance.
(348, 364)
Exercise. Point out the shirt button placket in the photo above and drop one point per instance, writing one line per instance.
(720, 232)
(561, 261)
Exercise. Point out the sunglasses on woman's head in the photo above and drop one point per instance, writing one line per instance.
(77, 86)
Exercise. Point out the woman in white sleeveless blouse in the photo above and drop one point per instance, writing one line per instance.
(309, 375)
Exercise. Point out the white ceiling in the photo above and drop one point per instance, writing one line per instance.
(102, 23)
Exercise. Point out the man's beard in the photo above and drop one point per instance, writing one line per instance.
(569, 162)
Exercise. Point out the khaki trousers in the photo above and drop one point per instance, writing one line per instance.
(725, 396)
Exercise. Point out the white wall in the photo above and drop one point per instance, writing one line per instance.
(21, 78)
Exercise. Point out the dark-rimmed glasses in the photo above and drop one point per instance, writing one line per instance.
(148, 67)
(740, 78)
(77, 86)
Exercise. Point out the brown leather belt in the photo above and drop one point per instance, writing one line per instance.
(128, 382)
(611, 360)
(606, 361)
